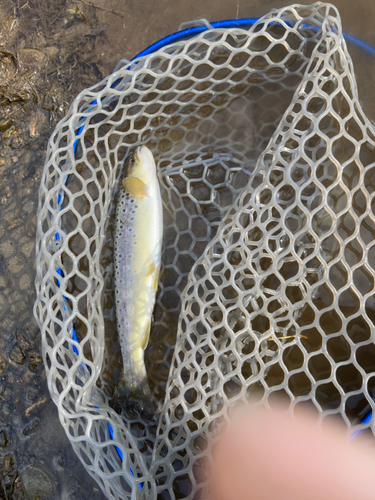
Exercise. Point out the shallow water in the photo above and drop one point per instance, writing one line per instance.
(49, 52)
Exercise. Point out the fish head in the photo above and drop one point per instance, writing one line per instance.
(141, 164)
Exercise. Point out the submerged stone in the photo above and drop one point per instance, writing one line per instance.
(5, 123)
(3, 439)
(8, 462)
(36, 483)
(17, 355)
(31, 427)
(3, 362)
(31, 58)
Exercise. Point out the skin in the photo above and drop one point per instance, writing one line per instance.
(138, 244)
(268, 456)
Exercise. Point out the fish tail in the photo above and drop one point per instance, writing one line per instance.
(135, 395)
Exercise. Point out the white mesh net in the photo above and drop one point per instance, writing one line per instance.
(267, 167)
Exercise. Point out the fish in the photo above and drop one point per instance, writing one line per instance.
(137, 260)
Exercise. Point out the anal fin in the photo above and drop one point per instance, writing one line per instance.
(156, 278)
(146, 336)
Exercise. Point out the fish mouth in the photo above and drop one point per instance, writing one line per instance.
(139, 152)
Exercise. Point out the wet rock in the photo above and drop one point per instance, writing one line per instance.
(19, 406)
(14, 87)
(15, 265)
(7, 248)
(25, 337)
(16, 354)
(31, 58)
(3, 307)
(3, 439)
(17, 142)
(5, 124)
(9, 132)
(28, 160)
(51, 51)
(8, 462)
(28, 248)
(3, 364)
(31, 427)
(10, 221)
(24, 282)
(30, 226)
(6, 409)
(61, 459)
(98, 29)
(36, 483)
(31, 394)
(37, 123)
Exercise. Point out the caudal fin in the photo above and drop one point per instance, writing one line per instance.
(133, 397)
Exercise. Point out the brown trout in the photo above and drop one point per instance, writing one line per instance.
(138, 242)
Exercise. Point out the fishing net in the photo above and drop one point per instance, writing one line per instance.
(267, 169)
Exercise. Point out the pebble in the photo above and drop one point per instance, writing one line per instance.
(8, 462)
(3, 439)
(17, 143)
(37, 121)
(5, 123)
(15, 265)
(3, 363)
(24, 282)
(6, 409)
(30, 226)
(31, 427)
(7, 248)
(3, 306)
(36, 483)
(16, 354)
(61, 459)
(28, 248)
(31, 394)
(2, 162)
(31, 58)
(30, 163)
(9, 132)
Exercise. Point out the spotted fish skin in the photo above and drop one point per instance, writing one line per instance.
(138, 242)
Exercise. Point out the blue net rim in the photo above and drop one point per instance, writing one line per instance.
(227, 23)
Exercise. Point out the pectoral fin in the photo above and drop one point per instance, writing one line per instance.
(151, 270)
(156, 271)
(146, 336)
(135, 187)
(156, 278)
